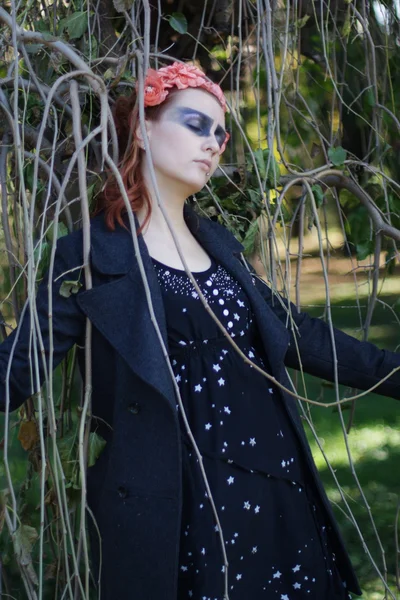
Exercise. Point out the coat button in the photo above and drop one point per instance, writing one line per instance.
(122, 492)
(134, 408)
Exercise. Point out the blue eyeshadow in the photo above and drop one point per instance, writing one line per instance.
(198, 122)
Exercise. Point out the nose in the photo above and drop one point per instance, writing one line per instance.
(211, 144)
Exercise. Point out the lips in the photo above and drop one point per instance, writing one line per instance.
(206, 163)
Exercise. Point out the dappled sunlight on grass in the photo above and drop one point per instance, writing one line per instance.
(366, 443)
(374, 442)
(373, 591)
(382, 503)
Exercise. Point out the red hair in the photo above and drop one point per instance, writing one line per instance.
(126, 117)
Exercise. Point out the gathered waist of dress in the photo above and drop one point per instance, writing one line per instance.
(262, 462)
(183, 348)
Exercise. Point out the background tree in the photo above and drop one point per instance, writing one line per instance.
(311, 174)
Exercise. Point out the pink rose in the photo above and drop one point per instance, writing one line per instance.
(182, 76)
(154, 89)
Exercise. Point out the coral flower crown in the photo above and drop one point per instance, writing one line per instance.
(158, 83)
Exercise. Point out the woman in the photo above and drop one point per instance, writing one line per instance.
(146, 491)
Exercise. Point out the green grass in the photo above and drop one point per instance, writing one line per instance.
(374, 443)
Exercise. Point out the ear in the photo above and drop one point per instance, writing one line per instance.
(138, 133)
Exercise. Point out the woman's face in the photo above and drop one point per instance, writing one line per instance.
(186, 141)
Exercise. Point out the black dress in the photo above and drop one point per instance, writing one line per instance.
(275, 538)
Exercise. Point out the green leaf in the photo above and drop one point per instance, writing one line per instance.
(358, 225)
(255, 198)
(91, 192)
(259, 158)
(43, 28)
(249, 162)
(346, 29)
(178, 22)
(41, 25)
(96, 446)
(285, 214)
(301, 22)
(273, 170)
(370, 98)
(231, 224)
(318, 195)
(337, 155)
(69, 287)
(122, 5)
(250, 239)
(364, 249)
(93, 47)
(31, 49)
(24, 539)
(61, 231)
(68, 448)
(44, 257)
(108, 74)
(76, 24)
(394, 203)
(48, 36)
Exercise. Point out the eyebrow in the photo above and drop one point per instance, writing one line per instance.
(196, 112)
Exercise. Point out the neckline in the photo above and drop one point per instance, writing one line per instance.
(182, 271)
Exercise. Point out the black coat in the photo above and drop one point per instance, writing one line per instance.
(134, 489)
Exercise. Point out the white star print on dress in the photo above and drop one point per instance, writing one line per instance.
(277, 575)
(246, 454)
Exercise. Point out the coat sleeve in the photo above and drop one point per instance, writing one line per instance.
(359, 364)
(68, 326)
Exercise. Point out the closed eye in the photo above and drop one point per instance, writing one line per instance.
(194, 127)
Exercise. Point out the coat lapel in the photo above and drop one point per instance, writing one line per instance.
(118, 308)
(117, 304)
